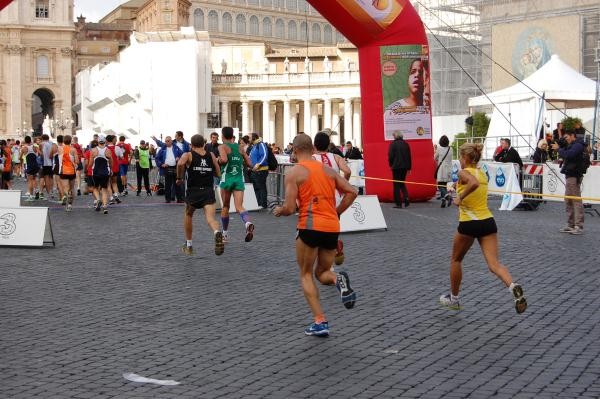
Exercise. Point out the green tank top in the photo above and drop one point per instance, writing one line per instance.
(144, 158)
(235, 164)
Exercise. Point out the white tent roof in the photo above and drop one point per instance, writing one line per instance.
(557, 80)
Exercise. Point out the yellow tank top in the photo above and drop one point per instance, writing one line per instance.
(475, 207)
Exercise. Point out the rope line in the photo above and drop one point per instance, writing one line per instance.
(489, 190)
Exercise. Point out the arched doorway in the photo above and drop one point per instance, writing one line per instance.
(42, 105)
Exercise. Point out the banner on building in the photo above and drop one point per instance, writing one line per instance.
(406, 91)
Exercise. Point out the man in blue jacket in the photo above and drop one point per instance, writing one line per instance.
(180, 142)
(259, 156)
(573, 154)
(166, 160)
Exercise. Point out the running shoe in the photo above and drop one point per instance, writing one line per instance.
(318, 329)
(117, 200)
(97, 206)
(346, 292)
(69, 208)
(447, 301)
(520, 301)
(29, 198)
(225, 238)
(64, 200)
(219, 245)
(42, 196)
(339, 253)
(37, 196)
(566, 229)
(187, 250)
(249, 232)
(78, 192)
(577, 231)
(105, 210)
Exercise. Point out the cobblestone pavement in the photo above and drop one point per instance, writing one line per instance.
(117, 296)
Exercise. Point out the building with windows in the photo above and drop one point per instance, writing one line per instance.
(36, 59)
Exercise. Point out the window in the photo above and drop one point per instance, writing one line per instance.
(227, 22)
(316, 33)
(240, 24)
(254, 25)
(43, 69)
(42, 9)
(213, 21)
(303, 32)
(292, 30)
(327, 34)
(267, 27)
(292, 5)
(198, 19)
(279, 3)
(252, 2)
(339, 38)
(302, 6)
(280, 29)
(267, 3)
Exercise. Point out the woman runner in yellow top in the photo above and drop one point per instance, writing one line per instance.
(476, 222)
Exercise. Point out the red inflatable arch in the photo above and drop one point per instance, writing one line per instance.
(4, 3)
(392, 47)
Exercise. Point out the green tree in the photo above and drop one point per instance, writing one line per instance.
(569, 123)
(474, 133)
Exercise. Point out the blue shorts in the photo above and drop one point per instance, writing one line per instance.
(123, 170)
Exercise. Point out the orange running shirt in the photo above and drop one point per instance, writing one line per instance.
(317, 200)
(67, 166)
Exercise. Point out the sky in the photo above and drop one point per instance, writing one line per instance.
(93, 10)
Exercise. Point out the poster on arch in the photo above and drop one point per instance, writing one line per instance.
(406, 91)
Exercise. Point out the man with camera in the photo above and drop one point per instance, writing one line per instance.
(572, 151)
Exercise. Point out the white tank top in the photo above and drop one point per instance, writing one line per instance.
(327, 159)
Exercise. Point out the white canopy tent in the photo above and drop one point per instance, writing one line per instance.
(560, 85)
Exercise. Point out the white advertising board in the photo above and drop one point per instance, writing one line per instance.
(357, 167)
(10, 198)
(554, 183)
(364, 214)
(250, 202)
(25, 227)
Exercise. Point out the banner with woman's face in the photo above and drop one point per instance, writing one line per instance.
(395, 85)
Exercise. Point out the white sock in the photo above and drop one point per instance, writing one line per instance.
(188, 243)
(511, 286)
(454, 298)
(215, 232)
(224, 232)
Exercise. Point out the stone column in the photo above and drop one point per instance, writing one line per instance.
(245, 118)
(327, 113)
(266, 119)
(314, 120)
(335, 122)
(293, 120)
(286, 121)
(307, 117)
(272, 126)
(225, 105)
(348, 135)
(357, 124)
(250, 119)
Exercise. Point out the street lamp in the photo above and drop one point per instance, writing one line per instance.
(61, 123)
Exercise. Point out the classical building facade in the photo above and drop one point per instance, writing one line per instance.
(36, 58)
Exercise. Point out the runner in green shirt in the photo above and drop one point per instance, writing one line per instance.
(231, 158)
(142, 157)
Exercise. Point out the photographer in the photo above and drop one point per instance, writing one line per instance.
(572, 151)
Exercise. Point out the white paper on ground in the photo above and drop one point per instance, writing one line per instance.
(138, 378)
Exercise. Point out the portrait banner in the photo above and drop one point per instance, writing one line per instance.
(406, 91)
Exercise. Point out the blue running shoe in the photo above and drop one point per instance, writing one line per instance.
(346, 292)
(318, 330)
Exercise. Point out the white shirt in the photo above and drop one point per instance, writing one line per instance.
(170, 157)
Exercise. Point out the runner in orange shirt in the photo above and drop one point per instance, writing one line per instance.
(67, 161)
(313, 185)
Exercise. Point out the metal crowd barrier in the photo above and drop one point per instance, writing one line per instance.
(532, 179)
(276, 184)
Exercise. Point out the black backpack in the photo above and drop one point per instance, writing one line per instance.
(585, 161)
(272, 161)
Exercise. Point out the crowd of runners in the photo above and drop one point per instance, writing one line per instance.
(316, 190)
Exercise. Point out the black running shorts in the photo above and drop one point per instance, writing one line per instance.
(198, 197)
(47, 171)
(100, 181)
(6, 176)
(67, 177)
(89, 180)
(478, 228)
(319, 239)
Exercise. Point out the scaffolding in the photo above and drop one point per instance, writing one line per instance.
(460, 40)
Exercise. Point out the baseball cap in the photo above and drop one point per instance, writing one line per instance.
(101, 139)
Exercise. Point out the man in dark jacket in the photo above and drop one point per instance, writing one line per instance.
(352, 152)
(572, 154)
(400, 162)
(508, 154)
